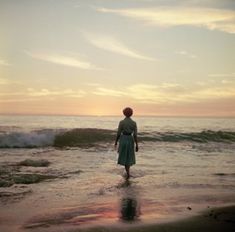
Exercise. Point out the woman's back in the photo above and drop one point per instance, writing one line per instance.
(127, 126)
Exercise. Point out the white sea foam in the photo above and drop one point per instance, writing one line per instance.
(42, 138)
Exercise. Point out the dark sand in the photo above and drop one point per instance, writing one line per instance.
(212, 220)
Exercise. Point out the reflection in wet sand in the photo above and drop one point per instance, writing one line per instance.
(129, 209)
(129, 203)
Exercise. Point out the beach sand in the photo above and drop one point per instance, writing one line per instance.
(220, 219)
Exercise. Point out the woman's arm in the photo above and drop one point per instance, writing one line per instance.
(135, 138)
(118, 133)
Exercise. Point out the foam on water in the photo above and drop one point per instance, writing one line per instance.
(88, 136)
(43, 138)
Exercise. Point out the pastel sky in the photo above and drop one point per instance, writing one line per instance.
(94, 57)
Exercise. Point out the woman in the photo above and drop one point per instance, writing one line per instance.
(127, 136)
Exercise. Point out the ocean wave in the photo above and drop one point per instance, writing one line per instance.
(201, 137)
(80, 137)
(32, 139)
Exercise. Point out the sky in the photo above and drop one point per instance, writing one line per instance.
(95, 57)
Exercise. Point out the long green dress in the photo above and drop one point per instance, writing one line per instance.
(127, 128)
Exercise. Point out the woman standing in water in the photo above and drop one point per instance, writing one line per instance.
(127, 136)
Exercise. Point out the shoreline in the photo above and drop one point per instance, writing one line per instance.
(215, 219)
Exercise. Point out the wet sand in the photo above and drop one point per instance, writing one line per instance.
(212, 220)
(82, 189)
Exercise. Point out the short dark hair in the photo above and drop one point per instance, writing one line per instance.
(128, 112)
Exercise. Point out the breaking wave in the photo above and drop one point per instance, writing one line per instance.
(91, 136)
(40, 138)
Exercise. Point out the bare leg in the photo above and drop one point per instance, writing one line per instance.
(127, 167)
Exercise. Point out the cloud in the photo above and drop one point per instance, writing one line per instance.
(186, 54)
(162, 93)
(46, 92)
(93, 84)
(216, 92)
(31, 92)
(18, 100)
(63, 60)
(170, 93)
(4, 62)
(108, 92)
(168, 16)
(214, 3)
(166, 92)
(4, 81)
(111, 44)
(222, 75)
(3, 94)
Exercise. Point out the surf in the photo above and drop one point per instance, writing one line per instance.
(80, 137)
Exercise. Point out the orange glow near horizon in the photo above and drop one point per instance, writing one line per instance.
(108, 108)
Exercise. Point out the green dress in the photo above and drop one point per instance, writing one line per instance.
(126, 149)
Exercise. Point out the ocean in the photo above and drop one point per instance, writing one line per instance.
(58, 173)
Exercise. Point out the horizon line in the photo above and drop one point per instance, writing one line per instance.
(117, 115)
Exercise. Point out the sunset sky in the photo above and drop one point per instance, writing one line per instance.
(94, 57)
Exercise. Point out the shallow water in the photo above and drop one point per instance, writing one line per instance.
(169, 181)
